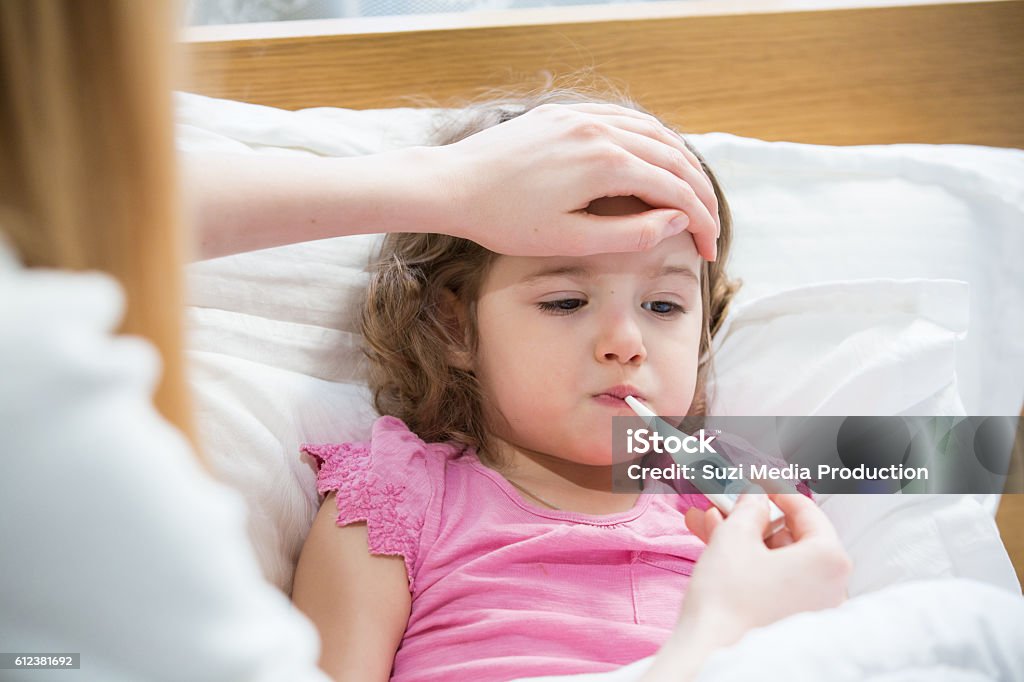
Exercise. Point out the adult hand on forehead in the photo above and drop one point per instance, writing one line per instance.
(523, 187)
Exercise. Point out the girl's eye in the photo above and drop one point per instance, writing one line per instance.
(562, 306)
(663, 308)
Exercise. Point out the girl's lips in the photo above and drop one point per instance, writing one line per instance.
(610, 400)
(623, 390)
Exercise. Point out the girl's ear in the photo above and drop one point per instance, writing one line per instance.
(455, 318)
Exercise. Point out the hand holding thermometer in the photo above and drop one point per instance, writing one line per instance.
(722, 494)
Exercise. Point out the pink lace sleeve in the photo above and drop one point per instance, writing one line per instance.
(388, 483)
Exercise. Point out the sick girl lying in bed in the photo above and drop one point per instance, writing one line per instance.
(477, 536)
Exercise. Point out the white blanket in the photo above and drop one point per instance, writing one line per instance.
(952, 630)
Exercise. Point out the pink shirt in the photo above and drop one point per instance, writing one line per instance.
(501, 588)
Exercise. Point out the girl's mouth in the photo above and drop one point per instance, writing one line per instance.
(615, 396)
(610, 400)
(620, 392)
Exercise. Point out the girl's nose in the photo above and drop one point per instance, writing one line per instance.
(620, 340)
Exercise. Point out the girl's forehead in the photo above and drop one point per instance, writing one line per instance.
(673, 255)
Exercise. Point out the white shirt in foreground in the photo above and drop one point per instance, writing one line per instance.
(116, 545)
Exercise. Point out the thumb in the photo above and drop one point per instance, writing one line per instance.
(633, 232)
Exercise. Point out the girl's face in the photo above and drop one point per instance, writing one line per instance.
(563, 340)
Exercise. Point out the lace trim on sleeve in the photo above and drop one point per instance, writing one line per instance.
(393, 513)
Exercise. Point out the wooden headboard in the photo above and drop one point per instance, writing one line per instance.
(875, 72)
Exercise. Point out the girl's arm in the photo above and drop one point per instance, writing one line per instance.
(359, 602)
(519, 188)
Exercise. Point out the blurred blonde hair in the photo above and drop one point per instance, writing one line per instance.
(87, 173)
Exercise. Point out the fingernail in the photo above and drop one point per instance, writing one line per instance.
(679, 223)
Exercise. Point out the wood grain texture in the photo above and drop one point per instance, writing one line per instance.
(1010, 520)
(922, 73)
(1010, 517)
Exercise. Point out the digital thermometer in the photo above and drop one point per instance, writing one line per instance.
(722, 494)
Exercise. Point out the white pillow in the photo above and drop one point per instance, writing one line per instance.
(275, 349)
(807, 214)
(870, 347)
(865, 347)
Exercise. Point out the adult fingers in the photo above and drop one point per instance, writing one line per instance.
(637, 232)
(695, 523)
(803, 517)
(659, 188)
(656, 128)
(713, 520)
(779, 539)
(631, 137)
(650, 127)
(783, 537)
(703, 522)
(653, 129)
(749, 517)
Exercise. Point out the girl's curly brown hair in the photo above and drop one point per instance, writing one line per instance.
(408, 318)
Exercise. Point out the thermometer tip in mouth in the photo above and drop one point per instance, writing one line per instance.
(638, 407)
